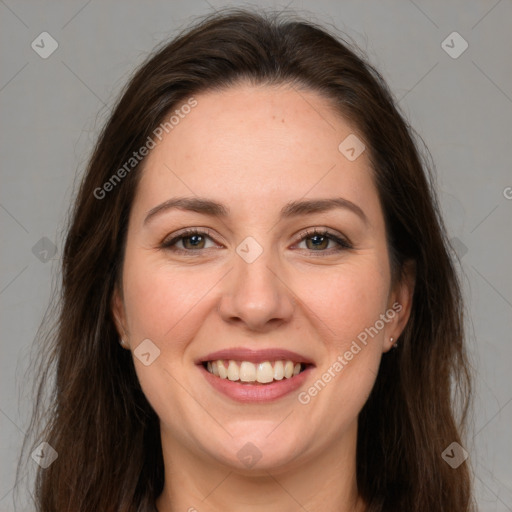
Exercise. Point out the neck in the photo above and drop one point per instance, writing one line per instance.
(195, 483)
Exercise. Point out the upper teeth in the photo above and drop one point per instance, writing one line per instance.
(249, 372)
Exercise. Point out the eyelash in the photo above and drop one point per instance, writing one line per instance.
(342, 244)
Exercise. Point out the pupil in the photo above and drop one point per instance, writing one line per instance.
(195, 240)
(318, 240)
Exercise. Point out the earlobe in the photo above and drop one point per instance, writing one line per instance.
(402, 301)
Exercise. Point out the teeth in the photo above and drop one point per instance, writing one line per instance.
(265, 372)
(245, 371)
(233, 372)
(288, 369)
(223, 372)
(278, 370)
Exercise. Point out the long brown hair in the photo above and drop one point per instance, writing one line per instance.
(98, 420)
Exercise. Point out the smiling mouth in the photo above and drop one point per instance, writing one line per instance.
(246, 372)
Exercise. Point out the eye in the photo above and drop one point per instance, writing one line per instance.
(191, 240)
(320, 241)
(194, 240)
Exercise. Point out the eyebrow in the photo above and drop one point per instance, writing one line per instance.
(291, 209)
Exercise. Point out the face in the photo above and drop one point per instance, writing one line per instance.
(267, 280)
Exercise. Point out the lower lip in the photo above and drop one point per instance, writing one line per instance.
(256, 392)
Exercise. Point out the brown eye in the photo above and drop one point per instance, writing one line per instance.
(319, 241)
(191, 240)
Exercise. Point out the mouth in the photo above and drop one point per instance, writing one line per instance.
(247, 372)
(246, 375)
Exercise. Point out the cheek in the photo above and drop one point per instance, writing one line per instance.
(162, 302)
(348, 303)
(346, 300)
(167, 306)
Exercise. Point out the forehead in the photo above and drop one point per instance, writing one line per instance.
(256, 145)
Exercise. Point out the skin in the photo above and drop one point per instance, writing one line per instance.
(255, 149)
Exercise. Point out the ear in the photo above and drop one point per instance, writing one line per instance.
(119, 316)
(400, 301)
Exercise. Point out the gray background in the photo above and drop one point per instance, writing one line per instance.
(52, 109)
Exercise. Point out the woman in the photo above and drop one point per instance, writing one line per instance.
(258, 310)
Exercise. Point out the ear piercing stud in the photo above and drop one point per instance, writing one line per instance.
(395, 345)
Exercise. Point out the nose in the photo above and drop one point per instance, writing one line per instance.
(256, 294)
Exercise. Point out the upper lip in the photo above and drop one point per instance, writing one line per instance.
(255, 356)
